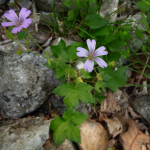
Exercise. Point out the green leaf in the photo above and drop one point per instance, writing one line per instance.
(127, 27)
(27, 43)
(83, 34)
(139, 33)
(115, 45)
(110, 148)
(146, 2)
(113, 56)
(64, 55)
(93, 8)
(68, 3)
(74, 94)
(76, 118)
(101, 32)
(148, 16)
(100, 84)
(64, 127)
(19, 52)
(94, 21)
(59, 49)
(61, 44)
(71, 50)
(50, 64)
(85, 74)
(56, 123)
(117, 79)
(142, 6)
(106, 77)
(59, 71)
(21, 35)
(98, 97)
(107, 39)
(63, 89)
(114, 83)
(92, 1)
(145, 23)
(9, 34)
(60, 134)
(71, 14)
(71, 72)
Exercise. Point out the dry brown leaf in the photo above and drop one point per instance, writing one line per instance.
(109, 104)
(140, 125)
(114, 126)
(133, 138)
(101, 116)
(133, 113)
(93, 136)
(111, 143)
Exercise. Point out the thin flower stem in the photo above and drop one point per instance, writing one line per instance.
(34, 41)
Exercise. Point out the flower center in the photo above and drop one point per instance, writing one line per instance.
(91, 56)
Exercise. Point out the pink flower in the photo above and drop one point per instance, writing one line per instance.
(20, 22)
(92, 55)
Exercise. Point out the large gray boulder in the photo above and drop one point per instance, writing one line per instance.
(142, 106)
(25, 83)
(24, 134)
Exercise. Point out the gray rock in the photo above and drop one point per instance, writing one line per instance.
(23, 3)
(142, 106)
(46, 5)
(25, 84)
(107, 8)
(3, 1)
(41, 36)
(58, 105)
(24, 134)
(136, 43)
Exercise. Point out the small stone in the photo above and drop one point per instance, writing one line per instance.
(107, 8)
(23, 3)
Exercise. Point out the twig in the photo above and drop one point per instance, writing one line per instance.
(140, 76)
(34, 11)
(19, 5)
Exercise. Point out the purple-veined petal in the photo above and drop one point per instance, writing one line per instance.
(82, 52)
(17, 29)
(100, 51)
(100, 62)
(24, 13)
(28, 12)
(12, 16)
(91, 45)
(7, 24)
(26, 22)
(89, 65)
